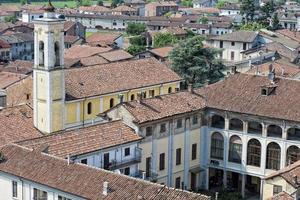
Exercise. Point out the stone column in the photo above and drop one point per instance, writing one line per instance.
(243, 184)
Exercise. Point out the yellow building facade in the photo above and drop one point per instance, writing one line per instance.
(53, 111)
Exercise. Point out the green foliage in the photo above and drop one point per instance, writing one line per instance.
(168, 14)
(23, 2)
(203, 20)
(86, 3)
(163, 39)
(220, 4)
(115, 3)
(134, 49)
(135, 28)
(187, 3)
(275, 22)
(225, 195)
(195, 63)
(248, 9)
(252, 26)
(268, 9)
(11, 19)
(137, 40)
(100, 3)
(190, 33)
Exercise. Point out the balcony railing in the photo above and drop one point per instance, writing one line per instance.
(152, 176)
(116, 164)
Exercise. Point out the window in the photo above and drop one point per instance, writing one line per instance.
(127, 151)
(127, 171)
(151, 93)
(217, 121)
(149, 131)
(195, 119)
(144, 95)
(27, 96)
(254, 127)
(217, 146)
(277, 189)
(162, 128)
(15, 189)
(254, 153)
(57, 54)
(232, 43)
(62, 198)
(244, 46)
(177, 183)
(179, 123)
(162, 161)
(89, 108)
(203, 32)
(178, 156)
(84, 161)
(111, 102)
(273, 156)
(236, 124)
(194, 151)
(232, 55)
(274, 131)
(170, 90)
(293, 155)
(148, 166)
(39, 194)
(41, 53)
(235, 149)
(132, 97)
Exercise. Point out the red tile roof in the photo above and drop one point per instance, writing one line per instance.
(281, 196)
(116, 55)
(4, 44)
(83, 51)
(162, 52)
(117, 76)
(8, 78)
(16, 124)
(102, 38)
(82, 180)
(19, 67)
(164, 106)
(85, 140)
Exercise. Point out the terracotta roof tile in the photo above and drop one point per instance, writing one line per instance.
(281, 196)
(16, 124)
(241, 93)
(19, 66)
(102, 39)
(85, 140)
(118, 76)
(282, 69)
(295, 35)
(93, 60)
(8, 78)
(162, 52)
(238, 36)
(4, 44)
(164, 106)
(82, 180)
(68, 25)
(116, 55)
(94, 8)
(123, 8)
(83, 51)
(71, 38)
(288, 173)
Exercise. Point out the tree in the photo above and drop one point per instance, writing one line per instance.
(134, 49)
(100, 3)
(248, 9)
(220, 4)
(267, 9)
(115, 3)
(195, 63)
(137, 40)
(135, 28)
(252, 26)
(275, 22)
(163, 39)
(203, 20)
(11, 19)
(23, 2)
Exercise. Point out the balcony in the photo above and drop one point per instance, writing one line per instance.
(143, 175)
(117, 164)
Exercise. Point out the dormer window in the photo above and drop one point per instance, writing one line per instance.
(264, 92)
(268, 90)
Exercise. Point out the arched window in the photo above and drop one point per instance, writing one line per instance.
(132, 97)
(217, 121)
(254, 127)
(254, 153)
(111, 102)
(41, 53)
(57, 54)
(292, 154)
(273, 156)
(235, 149)
(293, 134)
(170, 90)
(217, 146)
(89, 108)
(236, 124)
(274, 131)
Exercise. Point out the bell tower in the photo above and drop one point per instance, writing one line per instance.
(48, 72)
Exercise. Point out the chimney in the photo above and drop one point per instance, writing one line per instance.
(271, 74)
(69, 159)
(296, 179)
(105, 188)
(190, 88)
